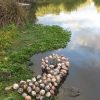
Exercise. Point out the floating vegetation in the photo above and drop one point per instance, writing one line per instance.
(54, 70)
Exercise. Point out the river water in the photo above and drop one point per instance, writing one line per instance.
(83, 50)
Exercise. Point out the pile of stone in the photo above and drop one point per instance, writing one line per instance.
(54, 69)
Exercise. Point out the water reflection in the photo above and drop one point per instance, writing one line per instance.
(55, 7)
(83, 49)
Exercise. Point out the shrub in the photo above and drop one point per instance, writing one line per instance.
(11, 12)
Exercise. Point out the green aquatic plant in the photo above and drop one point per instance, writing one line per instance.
(20, 44)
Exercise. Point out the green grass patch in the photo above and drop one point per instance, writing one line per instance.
(17, 45)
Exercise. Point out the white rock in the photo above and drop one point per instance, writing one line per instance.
(42, 60)
(45, 81)
(49, 75)
(67, 64)
(64, 67)
(46, 61)
(48, 79)
(59, 64)
(50, 85)
(42, 66)
(52, 92)
(50, 56)
(37, 89)
(55, 84)
(59, 60)
(36, 83)
(42, 92)
(33, 79)
(42, 85)
(22, 82)
(40, 81)
(48, 94)
(25, 86)
(58, 79)
(44, 77)
(38, 96)
(33, 93)
(28, 80)
(43, 63)
(24, 95)
(33, 87)
(54, 80)
(15, 86)
(47, 88)
(51, 66)
(46, 58)
(53, 88)
(39, 76)
(20, 90)
(29, 89)
(30, 84)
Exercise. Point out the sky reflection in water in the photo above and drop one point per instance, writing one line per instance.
(83, 50)
(85, 27)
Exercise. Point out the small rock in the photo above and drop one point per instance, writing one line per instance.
(8, 88)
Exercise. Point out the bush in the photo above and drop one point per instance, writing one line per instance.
(11, 12)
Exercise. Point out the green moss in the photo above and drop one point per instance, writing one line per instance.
(19, 44)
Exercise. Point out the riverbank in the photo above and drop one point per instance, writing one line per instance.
(18, 45)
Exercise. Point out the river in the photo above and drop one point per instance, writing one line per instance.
(83, 50)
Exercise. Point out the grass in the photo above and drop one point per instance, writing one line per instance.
(18, 44)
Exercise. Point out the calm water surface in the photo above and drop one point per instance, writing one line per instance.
(83, 50)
